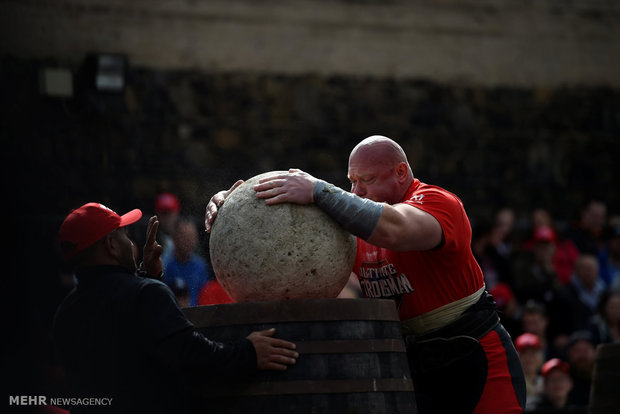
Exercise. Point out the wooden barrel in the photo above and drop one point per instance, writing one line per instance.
(605, 392)
(352, 357)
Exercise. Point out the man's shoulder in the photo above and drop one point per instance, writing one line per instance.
(433, 189)
(148, 283)
(423, 194)
(133, 285)
(142, 291)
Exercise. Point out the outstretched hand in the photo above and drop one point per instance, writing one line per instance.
(151, 255)
(295, 187)
(272, 353)
(215, 203)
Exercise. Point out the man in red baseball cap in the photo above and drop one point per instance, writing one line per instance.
(167, 208)
(124, 338)
(92, 225)
(531, 354)
(557, 383)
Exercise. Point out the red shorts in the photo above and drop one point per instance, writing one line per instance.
(504, 377)
(468, 376)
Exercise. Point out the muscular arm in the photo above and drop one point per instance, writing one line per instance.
(398, 227)
(402, 227)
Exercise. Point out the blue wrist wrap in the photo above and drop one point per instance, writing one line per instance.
(359, 216)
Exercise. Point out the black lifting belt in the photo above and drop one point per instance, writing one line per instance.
(456, 340)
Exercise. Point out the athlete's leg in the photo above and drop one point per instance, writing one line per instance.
(504, 391)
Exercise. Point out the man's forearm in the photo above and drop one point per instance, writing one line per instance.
(359, 216)
(189, 350)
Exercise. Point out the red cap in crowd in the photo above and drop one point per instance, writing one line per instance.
(527, 340)
(554, 363)
(88, 224)
(167, 202)
(502, 293)
(544, 234)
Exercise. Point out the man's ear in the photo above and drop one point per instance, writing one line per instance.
(401, 171)
(111, 245)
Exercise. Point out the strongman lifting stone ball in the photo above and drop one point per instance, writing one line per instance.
(286, 251)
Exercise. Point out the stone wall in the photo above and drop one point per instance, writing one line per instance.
(525, 43)
(195, 133)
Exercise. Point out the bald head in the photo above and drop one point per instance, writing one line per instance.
(382, 149)
(379, 170)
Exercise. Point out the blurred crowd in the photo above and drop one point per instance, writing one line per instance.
(557, 287)
(187, 270)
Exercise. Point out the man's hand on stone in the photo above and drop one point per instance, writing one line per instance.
(215, 203)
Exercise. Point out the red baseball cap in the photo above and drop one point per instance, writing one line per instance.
(527, 340)
(502, 293)
(544, 234)
(88, 224)
(167, 202)
(553, 364)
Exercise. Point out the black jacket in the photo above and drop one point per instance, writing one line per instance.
(124, 337)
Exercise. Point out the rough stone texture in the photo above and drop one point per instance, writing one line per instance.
(285, 251)
(480, 42)
(195, 133)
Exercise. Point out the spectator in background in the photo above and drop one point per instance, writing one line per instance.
(536, 321)
(575, 304)
(181, 292)
(609, 257)
(535, 276)
(564, 259)
(492, 250)
(510, 311)
(587, 232)
(167, 209)
(565, 253)
(212, 293)
(605, 325)
(557, 384)
(504, 229)
(531, 355)
(540, 218)
(184, 264)
(482, 249)
(581, 357)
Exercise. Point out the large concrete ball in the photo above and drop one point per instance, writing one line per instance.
(285, 251)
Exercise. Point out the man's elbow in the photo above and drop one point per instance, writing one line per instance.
(388, 240)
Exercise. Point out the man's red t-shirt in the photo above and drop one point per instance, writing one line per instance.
(421, 281)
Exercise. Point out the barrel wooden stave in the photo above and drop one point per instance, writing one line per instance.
(357, 364)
